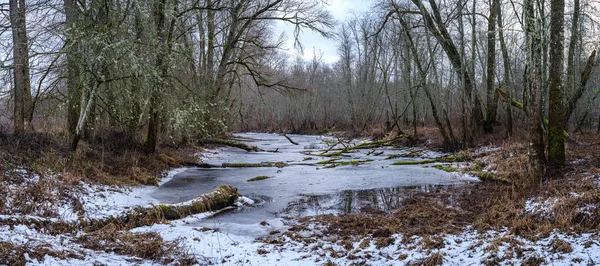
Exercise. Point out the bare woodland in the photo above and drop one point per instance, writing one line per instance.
(174, 71)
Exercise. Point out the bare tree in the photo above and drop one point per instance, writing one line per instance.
(556, 125)
(537, 158)
(22, 83)
(492, 97)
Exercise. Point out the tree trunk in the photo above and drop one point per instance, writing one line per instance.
(534, 85)
(492, 98)
(507, 72)
(570, 83)
(73, 88)
(556, 138)
(448, 143)
(439, 31)
(164, 29)
(21, 90)
(585, 75)
(84, 114)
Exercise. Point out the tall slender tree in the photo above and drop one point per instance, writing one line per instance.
(492, 97)
(22, 80)
(537, 158)
(556, 139)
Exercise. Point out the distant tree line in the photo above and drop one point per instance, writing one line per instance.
(173, 70)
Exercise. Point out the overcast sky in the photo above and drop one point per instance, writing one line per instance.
(340, 9)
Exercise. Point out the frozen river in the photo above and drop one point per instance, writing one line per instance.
(303, 187)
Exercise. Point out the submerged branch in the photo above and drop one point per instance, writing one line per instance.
(230, 144)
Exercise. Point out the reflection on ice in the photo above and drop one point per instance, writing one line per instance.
(355, 201)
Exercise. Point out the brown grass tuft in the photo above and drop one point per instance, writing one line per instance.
(12, 254)
(561, 246)
(143, 245)
(433, 259)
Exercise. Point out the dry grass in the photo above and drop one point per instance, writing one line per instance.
(142, 245)
(12, 254)
(433, 259)
(572, 201)
(47, 175)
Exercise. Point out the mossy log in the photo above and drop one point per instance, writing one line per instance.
(229, 143)
(222, 197)
(490, 176)
(373, 144)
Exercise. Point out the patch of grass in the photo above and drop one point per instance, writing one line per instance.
(12, 254)
(561, 246)
(490, 176)
(445, 168)
(431, 242)
(332, 160)
(261, 177)
(433, 259)
(414, 162)
(143, 245)
(381, 242)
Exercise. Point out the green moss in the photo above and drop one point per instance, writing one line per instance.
(501, 91)
(413, 162)
(332, 160)
(261, 177)
(394, 156)
(353, 162)
(408, 155)
(331, 154)
(443, 168)
(517, 104)
(490, 176)
(478, 166)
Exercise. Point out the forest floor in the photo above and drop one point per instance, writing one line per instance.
(49, 195)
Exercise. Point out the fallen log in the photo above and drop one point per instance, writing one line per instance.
(373, 144)
(229, 143)
(222, 197)
(289, 139)
(199, 165)
(263, 164)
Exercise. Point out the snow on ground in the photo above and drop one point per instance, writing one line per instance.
(23, 235)
(279, 246)
(102, 201)
(467, 248)
(308, 247)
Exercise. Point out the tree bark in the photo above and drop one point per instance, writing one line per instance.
(492, 98)
(73, 88)
(164, 29)
(537, 157)
(570, 82)
(221, 197)
(22, 83)
(556, 139)
(585, 75)
(507, 72)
